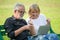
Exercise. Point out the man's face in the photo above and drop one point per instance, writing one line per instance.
(19, 12)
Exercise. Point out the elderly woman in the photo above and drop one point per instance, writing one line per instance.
(37, 19)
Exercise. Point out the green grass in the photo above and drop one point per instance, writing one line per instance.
(51, 8)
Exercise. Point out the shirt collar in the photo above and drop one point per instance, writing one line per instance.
(15, 18)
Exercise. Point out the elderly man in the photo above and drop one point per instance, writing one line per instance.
(15, 26)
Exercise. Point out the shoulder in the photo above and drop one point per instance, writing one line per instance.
(9, 19)
(42, 15)
(24, 21)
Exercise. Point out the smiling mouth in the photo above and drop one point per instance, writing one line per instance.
(34, 15)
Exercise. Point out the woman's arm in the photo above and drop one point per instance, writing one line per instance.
(32, 30)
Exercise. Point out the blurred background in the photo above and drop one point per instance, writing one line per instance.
(51, 8)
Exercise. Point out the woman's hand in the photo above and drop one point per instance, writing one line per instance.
(32, 30)
(48, 21)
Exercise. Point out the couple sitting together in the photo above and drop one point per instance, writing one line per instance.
(19, 29)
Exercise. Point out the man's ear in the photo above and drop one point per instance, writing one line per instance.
(14, 11)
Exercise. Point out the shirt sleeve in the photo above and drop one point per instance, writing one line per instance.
(9, 28)
(43, 19)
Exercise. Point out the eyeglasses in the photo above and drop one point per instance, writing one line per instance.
(20, 11)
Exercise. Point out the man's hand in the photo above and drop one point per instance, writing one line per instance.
(30, 27)
(27, 27)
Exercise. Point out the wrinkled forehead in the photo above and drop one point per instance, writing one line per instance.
(21, 8)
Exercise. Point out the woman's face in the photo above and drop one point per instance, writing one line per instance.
(33, 14)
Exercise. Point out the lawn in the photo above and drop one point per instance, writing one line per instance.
(51, 8)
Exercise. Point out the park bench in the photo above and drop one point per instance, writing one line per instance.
(3, 32)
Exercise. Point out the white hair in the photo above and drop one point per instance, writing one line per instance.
(17, 5)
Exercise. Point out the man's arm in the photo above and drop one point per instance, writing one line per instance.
(9, 28)
(20, 30)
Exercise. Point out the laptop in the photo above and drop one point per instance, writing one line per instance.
(43, 29)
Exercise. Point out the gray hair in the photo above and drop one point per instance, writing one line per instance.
(17, 5)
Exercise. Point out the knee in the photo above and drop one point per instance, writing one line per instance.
(53, 35)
